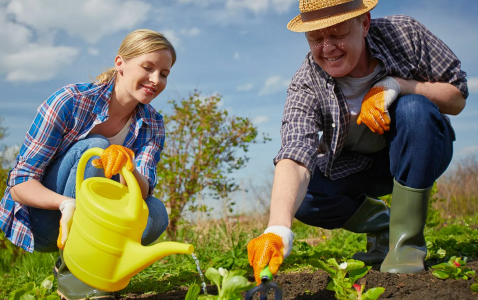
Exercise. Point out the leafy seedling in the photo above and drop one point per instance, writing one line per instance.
(344, 277)
(230, 285)
(455, 268)
(30, 291)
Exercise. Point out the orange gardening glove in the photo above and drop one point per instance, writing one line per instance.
(270, 248)
(375, 104)
(113, 159)
(67, 208)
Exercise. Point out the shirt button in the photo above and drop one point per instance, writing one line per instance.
(332, 96)
(333, 125)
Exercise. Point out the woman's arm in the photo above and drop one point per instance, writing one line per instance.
(142, 182)
(34, 194)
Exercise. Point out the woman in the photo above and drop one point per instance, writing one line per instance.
(113, 113)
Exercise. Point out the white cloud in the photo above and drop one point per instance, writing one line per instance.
(31, 27)
(469, 150)
(89, 19)
(172, 37)
(236, 55)
(282, 6)
(274, 84)
(260, 119)
(190, 32)
(37, 63)
(245, 87)
(257, 6)
(473, 84)
(93, 51)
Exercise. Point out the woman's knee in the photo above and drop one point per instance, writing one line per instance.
(96, 141)
(158, 220)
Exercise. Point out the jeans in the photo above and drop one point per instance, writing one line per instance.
(60, 177)
(419, 149)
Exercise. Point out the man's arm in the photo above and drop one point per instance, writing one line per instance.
(446, 96)
(288, 190)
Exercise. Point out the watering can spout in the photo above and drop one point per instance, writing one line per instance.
(144, 256)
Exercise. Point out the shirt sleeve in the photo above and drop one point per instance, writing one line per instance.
(148, 155)
(436, 61)
(43, 138)
(301, 123)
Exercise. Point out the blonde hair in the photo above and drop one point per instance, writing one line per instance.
(137, 43)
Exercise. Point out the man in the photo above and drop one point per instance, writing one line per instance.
(377, 91)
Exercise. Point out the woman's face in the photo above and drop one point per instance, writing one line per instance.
(339, 49)
(144, 77)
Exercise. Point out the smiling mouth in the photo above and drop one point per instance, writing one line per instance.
(149, 90)
(333, 58)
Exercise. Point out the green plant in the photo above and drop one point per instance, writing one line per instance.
(474, 286)
(30, 291)
(230, 287)
(454, 268)
(345, 287)
(203, 145)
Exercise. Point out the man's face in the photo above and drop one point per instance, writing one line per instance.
(340, 49)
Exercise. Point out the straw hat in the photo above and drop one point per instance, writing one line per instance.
(319, 14)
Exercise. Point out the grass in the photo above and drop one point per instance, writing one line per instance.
(222, 243)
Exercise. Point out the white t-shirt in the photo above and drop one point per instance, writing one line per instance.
(359, 138)
(120, 137)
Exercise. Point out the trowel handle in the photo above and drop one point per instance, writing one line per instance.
(80, 171)
(266, 272)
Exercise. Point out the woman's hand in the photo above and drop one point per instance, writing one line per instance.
(113, 159)
(67, 208)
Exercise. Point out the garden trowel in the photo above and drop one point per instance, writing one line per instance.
(265, 286)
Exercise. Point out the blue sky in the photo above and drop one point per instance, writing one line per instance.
(239, 49)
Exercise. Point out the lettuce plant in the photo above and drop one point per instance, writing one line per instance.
(454, 268)
(30, 291)
(230, 285)
(344, 286)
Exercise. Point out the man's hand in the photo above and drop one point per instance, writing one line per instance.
(67, 208)
(270, 248)
(113, 159)
(375, 104)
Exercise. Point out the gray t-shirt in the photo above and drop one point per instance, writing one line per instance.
(359, 138)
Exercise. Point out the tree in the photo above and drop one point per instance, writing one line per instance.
(203, 146)
(3, 168)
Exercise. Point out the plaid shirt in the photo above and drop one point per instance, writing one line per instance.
(404, 48)
(65, 118)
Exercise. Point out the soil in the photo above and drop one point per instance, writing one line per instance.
(311, 286)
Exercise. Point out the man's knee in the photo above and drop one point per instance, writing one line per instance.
(413, 109)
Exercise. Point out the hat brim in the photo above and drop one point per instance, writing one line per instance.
(297, 25)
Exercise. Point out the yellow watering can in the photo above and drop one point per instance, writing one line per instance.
(104, 245)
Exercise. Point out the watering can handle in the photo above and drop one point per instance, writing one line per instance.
(133, 186)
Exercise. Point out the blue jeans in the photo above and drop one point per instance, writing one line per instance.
(419, 149)
(60, 177)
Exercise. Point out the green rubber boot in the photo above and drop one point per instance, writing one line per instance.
(71, 288)
(372, 218)
(407, 221)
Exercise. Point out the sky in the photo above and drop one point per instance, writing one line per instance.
(239, 49)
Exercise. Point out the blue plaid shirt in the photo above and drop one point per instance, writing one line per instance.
(63, 119)
(404, 48)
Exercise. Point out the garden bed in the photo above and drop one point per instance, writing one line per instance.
(311, 286)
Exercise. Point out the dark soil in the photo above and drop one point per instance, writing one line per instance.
(311, 286)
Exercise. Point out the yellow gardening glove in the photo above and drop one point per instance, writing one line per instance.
(113, 159)
(375, 104)
(270, 248)
(67, 208)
